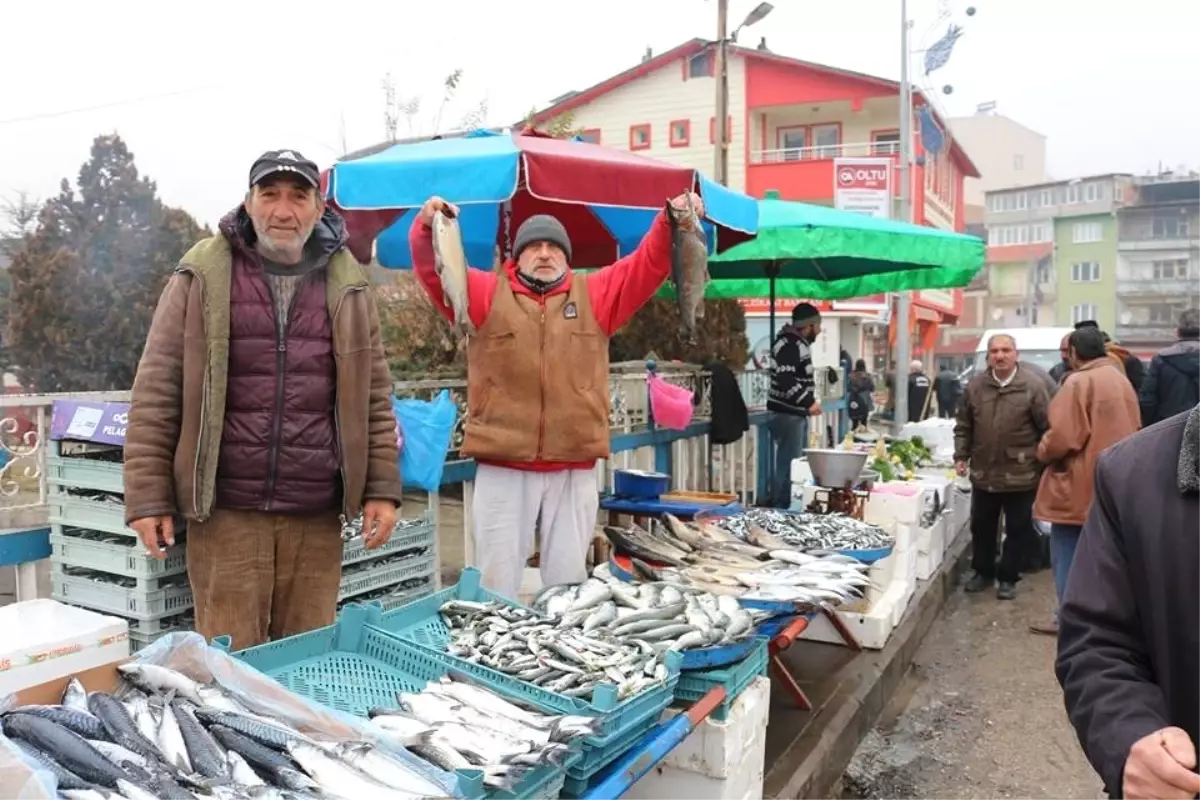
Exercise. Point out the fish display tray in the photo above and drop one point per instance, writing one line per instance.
(869, 556)
(596, 759)
(621, 569)
(405, 538)
(421, 624)
(368, 580)
(120, 559)
(81, 472)
(353, 667)
(79, 512)
(694, 684)
(136, 605)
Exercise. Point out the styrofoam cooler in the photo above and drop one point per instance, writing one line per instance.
(931, 548)
(719, 760)
(41, 640)
(896, 502)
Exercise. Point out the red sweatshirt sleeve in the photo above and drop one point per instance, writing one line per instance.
(619, 290)
(481, 284)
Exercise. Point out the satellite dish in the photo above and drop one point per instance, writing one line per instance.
(997, 314)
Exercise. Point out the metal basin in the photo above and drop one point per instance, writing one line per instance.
(835, 469)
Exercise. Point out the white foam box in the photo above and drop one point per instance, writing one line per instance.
(801, 474)
(872, 628)
(931, 548)
(960, 507)
(898, 502)
(42, 640)
(718, 760)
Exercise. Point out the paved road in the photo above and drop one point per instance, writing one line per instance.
(981, 714)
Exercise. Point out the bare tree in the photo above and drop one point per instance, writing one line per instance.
(18, 216)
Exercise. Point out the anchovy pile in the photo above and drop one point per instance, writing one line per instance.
(765, 567)
(171, 737)
(352, 529)
(804, 531)
(457, 725)
(534, 648)
(669, 617)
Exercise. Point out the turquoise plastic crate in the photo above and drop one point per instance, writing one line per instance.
(353, 667)
(421, 624)
(694, 684)
(82, 472)
(80, 512)
(597, 758)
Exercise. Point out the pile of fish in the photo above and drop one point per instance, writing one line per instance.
(770, 527)
(170, 737)
(560, 659)
(669, 617)
(458, 725)
(707, 557)
(353, 529)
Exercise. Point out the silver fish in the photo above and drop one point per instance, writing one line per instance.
(689, 265)
(336, 775)
(156, 679)
(75, 697)
(450, 259)
(171, 743)
(240, 770)
(385, 769)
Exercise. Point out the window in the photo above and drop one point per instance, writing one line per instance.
(885, 143)
(826, 139)
(1083, 311)
(995, 203)
(590, 135)
(712, 130)
(1043, 272)
(1169, 228)
(1047, 198)
(1093, 193)
(639, 137)
(681, 133)
(1085, 271)
(993, 237)
(1170, 269)
(1040, 233)
(701, 65)
(1085, 232)
(1022, 201)
(1023, 234)
(1018, 162)
(1073, 193)
(1163, 314)
(792, 142)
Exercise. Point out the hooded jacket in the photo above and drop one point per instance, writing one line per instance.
(1172, 383)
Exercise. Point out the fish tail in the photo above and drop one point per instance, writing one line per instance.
(506, 776)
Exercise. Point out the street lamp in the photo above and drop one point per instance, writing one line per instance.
(721, 169)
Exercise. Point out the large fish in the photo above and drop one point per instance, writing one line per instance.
(451, 261)
(689, 265)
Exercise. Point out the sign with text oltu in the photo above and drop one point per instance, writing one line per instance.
(863, 185)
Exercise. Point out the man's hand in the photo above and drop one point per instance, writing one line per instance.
(1162, 766)
(815, 410)
(960, 469)
(434, 205)
(379, 518)
(681, 203)
(156, 533)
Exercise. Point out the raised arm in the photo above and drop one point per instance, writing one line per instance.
(1103, 665)
(480, 283)
(619, 290)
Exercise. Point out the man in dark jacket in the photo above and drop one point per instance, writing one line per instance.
(1129, 628)
(947, 389)
(1063, 367)
(1172, 384)
(261, 410)
(1130, 364)
(919, 387)
(792, 398)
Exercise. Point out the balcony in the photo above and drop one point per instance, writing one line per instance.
(1144, 243)
(1151, 287)
(806, 173)
(1146, 332)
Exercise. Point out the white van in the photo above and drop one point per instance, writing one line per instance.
(1035, 345)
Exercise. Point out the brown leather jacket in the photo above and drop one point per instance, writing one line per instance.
(998, 430)
(178, 404)
(1095, 409)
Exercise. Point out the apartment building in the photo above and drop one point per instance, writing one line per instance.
(1052, 251)
(1158, 259)
(1007, 153)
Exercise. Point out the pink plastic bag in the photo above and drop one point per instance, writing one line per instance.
(671, 405)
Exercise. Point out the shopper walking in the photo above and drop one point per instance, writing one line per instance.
(1000, 421)
(1095, 409)
(1172, 383)
(861, 394)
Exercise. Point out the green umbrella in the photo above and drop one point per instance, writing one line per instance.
(821, 253)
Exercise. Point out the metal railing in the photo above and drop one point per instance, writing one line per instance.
(789, 155)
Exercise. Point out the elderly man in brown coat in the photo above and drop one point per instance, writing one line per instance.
(261, 410)
(1095, 408)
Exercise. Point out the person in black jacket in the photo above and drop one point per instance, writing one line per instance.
(1172, 383)
(1063, 367)
(792, 398)
(919, 387)
(947, 389)
(861, 394)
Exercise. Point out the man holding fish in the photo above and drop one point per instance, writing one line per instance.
(537, 382)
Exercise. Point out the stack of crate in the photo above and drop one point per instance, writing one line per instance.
(97, 561)
(396, 573)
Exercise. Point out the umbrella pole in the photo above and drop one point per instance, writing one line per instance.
(772, 271)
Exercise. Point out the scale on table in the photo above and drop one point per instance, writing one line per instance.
(838, 476)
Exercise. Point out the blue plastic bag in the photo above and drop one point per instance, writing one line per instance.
(427, 429)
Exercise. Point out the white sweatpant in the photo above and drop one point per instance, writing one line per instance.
(505, 510)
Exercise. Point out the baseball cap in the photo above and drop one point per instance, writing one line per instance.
(286, 161)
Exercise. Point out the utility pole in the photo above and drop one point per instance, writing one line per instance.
(904, 299)
(721, 168)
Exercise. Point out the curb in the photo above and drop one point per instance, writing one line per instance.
(829, 748)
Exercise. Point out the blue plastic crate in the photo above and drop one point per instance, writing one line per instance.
(597, 758)
(421, 623)
(353, 667)
(694, 684)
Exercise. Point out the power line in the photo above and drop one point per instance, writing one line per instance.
(115, 104)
